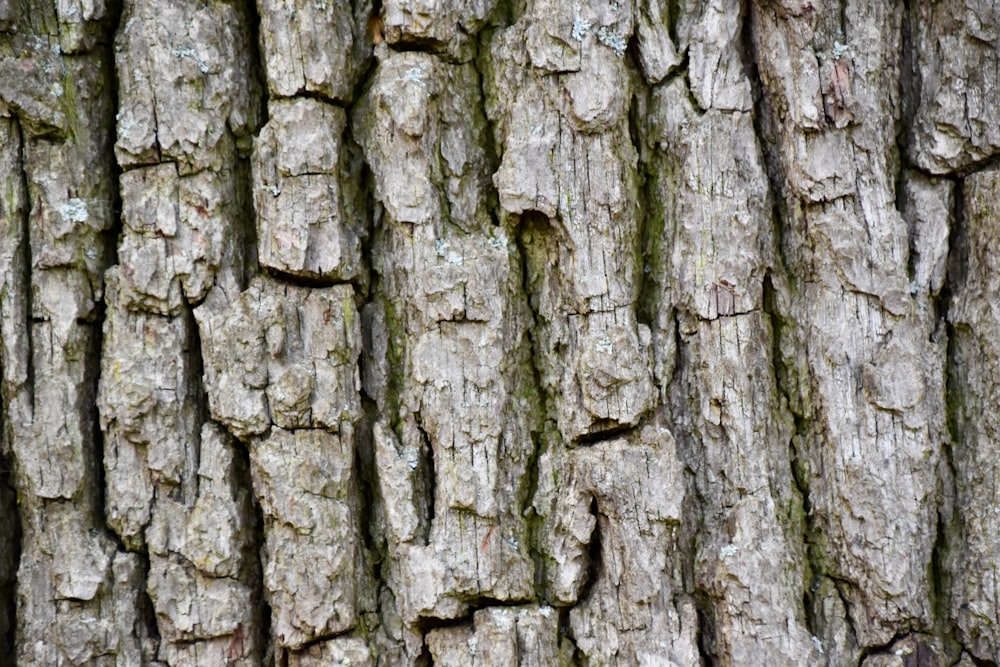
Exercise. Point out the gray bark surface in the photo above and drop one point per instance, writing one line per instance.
(413, 332)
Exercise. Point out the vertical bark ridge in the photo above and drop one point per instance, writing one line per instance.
(65, 109)
(840, 135)
(969, 281)
(778, 284)
(172, 473)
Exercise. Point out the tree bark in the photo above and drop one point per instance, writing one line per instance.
(392, 332)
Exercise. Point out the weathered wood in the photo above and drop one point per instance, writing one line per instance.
(533, 333)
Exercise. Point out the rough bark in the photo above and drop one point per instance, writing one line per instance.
(499, 333)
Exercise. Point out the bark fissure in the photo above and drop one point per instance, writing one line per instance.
(15, 213)
(10, 555)
(24, 261)
(93, 380)
(948, 538)
(543, 434)
(15, 210)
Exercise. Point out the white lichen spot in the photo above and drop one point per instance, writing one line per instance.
(450, 256)
(839, 50)
(75, 210)
(473, 645)
(499, 241)
(728, 550)
(612, 40)
(503, 619)
(581, 28)
(125, 124)
(545, 611)
(415, 75)
(188, 52)
(604, 345)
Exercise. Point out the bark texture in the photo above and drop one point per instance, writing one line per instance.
(527, 332)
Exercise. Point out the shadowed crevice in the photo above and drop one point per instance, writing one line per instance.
(981, 662)
(949, 527)
(958, 250)
(303, 280)
(244, 246)
(799, 515)
(426, 501)
(258, 598)
(261, 607)
(257, 77)
(544, 434)
(566, 636)
(948, 533)
(10, 555)
(595, 565)
(425, 625)
(532, 231)
(706, 633)
(195, 369)
(21, 274)
(116, 229)
(914, 649)
(366, 474)
(604, 430)
(19, 294)
(492, 148)
(909, 96)
(651, 220)
(109, 248)
(146, 630)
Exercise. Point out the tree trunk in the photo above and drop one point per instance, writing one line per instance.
(499, 333)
